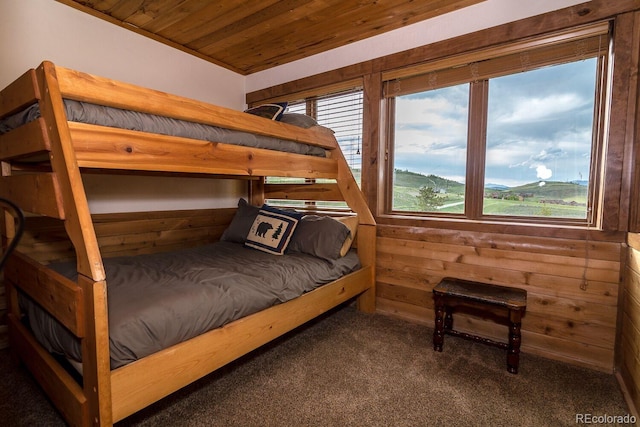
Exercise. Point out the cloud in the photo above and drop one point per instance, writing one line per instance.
(543, 172)
(430, 125)
(546, 155)
(527, 110)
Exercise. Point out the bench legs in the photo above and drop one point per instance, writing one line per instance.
(438, 332)
(513, 349)
(444, 325)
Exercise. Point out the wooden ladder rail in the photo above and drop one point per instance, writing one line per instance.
(42, 191)
(79, 226)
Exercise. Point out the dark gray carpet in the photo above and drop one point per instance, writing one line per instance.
(353, 369)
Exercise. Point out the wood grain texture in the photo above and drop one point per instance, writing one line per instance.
(59, 385)
(101, 147)
(628, 345)
(57, 294)
(103, 91)
(572, 292)
(27, 190)
(574, 16)
(67, 173)
(25, 141)
(247, 36)
(19, 94)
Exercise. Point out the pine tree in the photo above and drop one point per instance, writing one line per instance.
(429, 198)
(277, 232)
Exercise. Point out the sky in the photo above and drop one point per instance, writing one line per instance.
(538, 127)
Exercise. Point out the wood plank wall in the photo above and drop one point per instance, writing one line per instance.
(565, 320)
(128, 233)
(629, 338)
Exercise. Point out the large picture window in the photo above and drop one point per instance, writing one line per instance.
(515, 137)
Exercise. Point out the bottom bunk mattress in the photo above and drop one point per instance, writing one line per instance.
(158, 300)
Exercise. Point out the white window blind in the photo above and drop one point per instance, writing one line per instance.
(342, 113)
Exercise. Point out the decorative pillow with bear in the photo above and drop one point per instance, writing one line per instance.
(272, 229)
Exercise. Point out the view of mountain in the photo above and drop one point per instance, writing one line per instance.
(554, 189)
(539, 198)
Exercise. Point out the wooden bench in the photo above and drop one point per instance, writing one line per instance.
(503, 302)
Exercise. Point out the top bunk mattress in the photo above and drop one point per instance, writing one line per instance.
(94, 114)
(158, 300)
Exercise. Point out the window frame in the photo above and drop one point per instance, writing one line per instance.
(477, 124)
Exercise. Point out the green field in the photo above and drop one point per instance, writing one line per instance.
(554, 199)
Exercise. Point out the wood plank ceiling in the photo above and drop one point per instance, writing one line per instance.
(247, 36)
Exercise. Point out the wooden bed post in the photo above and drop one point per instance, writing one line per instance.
(96, 366)
(7, 232)
(366, 229)
(79, 226)
(367, 252)
(256, 191)
(77, 219)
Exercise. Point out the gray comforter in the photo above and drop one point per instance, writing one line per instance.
(84, 112)
(159, 300)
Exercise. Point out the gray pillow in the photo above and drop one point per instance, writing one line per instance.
(320, 236)
(241, 223)
(297, 119)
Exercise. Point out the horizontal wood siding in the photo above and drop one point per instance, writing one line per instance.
(568, 318)
(629, 341)
(129, 233)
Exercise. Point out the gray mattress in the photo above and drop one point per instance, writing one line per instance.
(159, 300)
(83, 112)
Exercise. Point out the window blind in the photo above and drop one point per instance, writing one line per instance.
(342, 113)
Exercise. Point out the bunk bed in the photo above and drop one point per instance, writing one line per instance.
(44, 159)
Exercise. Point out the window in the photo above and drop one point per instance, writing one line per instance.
(430, 152)
(514, 137)
(342, 113)
(539, 141)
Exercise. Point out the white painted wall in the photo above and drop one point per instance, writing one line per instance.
(487, 14)
(35, 30)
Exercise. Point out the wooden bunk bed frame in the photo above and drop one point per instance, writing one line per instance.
(53, 191)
